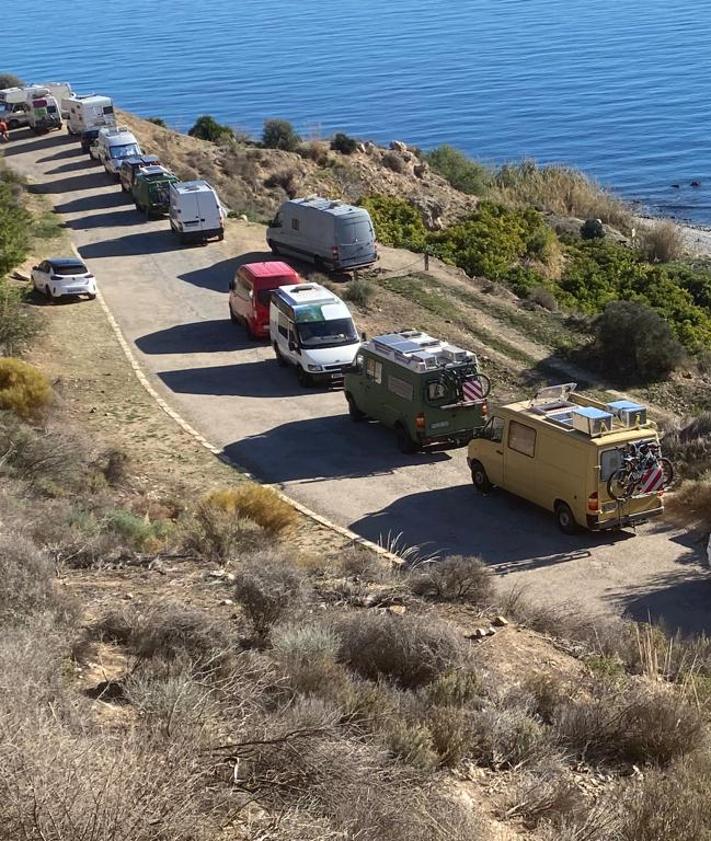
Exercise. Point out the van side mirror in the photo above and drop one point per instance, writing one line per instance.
(35, 268)
(364, 336)
(292, 346)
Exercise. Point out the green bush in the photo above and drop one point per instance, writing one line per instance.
(635, 344)
(462, 172)
(15, 224)
(344, 144)
(9, 80)
(23, 389)
(207, 128)
(280, 134)
(18, 323)
(360, 292)
(397, 223)
(157, 121)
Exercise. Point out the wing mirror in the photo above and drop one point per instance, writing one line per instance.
(292, 346)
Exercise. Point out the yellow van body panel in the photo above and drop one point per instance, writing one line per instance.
(546, 463)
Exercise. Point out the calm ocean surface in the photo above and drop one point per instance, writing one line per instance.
(620, 88)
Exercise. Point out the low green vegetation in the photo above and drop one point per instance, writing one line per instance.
(462, 172)
(280, 134)
(9, 80)
(343, 143)
(207, 128)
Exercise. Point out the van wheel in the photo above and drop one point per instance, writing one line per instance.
(233, 317)
(479, 478)
(353, 410)
(304, 379)
(565, 519)
(274, 248)
(220, 236)
(404, 443)
(319, 265)
(48, 295)
(279, 358)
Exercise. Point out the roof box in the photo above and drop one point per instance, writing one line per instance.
(591, 421)
(629, 413)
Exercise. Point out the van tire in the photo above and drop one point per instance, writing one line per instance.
(233, 317)
(279, 358)
(479, 478)
(404, 443)
(565, 519)
(273, 247)
(305, 380)
(353, 410)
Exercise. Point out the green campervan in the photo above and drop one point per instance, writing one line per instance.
(151, 189)
(428, 391)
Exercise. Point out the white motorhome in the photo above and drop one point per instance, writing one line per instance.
(196, 214)
(87, 111)
(113, 146)
(330, 234)
(42, 110)
(313, 330)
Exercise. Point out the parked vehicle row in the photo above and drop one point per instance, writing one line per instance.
(36, 106)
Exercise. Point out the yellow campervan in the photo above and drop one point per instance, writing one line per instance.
(564, 451)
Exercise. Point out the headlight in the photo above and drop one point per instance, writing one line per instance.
(315, 367)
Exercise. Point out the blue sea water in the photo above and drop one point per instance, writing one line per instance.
(619, 88)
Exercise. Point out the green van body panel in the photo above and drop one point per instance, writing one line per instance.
(152, 193)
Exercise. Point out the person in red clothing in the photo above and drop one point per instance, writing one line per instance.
(4, 136)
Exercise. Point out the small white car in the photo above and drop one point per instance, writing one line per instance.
(61, 276)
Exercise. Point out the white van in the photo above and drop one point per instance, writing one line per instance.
(313, 330)
(113, 145)
(196, 214)
(87, 111)
(330, 234)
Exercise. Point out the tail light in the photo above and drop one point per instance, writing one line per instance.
(420, 421)
(593, 503)
(485, 409)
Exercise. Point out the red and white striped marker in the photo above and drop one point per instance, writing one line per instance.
(472, 390)
(652, 480)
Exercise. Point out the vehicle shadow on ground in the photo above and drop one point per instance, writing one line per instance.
(100, 201)
(20, 142)
(330, 447)
(246, 379)
(146, 242)
(87, 181)
(679, 601)
(66, 153)
(505, 531)
(214, 336)
(74, 166)
(218, 276)
(112, 219)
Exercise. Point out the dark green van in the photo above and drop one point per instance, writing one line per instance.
(428, 391)
(151, 189)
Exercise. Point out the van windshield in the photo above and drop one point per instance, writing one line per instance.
(127, 151)
(319, 334)
(352, 232)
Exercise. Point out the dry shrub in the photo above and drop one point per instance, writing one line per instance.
(168, 632)
(359, 291)
(411, 651)
(268, 587)
(307, 655)
(394, 161)
(663, 242)
(455, 578)
(544, 792)
(509, 738)
(411, 743)
(214, 534)
(23, 389)
(28, 584)
(314, 150)
(287, 179)
(544, 298)
(451, 735)
(640, 723)
(258, 503)
(363, 563)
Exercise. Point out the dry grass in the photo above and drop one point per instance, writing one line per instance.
(258, 503)
(663, 242)
(23, 389)
(560, 190)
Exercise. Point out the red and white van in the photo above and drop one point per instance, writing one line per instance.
(250, 293)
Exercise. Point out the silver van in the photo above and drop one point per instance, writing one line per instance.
(330, 234)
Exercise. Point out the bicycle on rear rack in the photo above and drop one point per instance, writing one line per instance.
(644, 471)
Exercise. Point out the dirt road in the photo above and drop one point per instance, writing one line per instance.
(171, 304)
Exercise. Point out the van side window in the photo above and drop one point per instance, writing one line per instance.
(374, 370)
(522, 439)
(610, 460)
(436, 391)
(283, 325)
(244, 288)
(400, 387)
(294, 224)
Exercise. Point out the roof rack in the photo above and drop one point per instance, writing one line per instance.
(419, 351)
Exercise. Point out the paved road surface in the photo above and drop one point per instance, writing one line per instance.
(171, 303)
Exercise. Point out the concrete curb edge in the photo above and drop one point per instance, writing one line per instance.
(216, 451)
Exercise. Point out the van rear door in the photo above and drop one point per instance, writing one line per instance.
(355, 241)
(209, 211)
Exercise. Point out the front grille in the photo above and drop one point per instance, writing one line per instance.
(333, 367)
